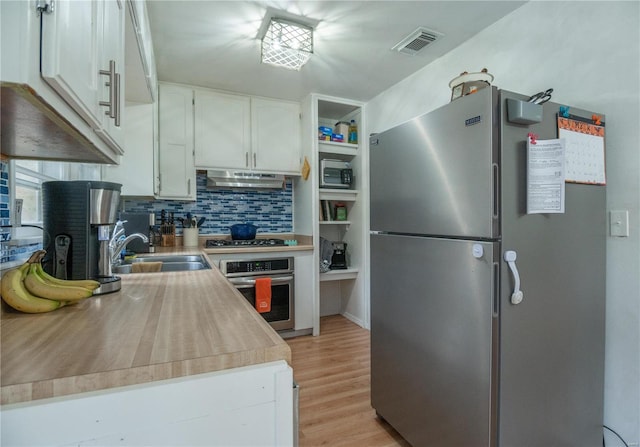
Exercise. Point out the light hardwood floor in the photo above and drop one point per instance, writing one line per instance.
(333, 373)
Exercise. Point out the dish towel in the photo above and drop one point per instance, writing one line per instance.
(263, 295)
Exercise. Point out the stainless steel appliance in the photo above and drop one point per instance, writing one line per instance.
(453, 360)
(213, 243)
(243, 274)
(77, 219)
(241, 179)
(335, 174)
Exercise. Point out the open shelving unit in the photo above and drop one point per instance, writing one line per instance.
(341, 290)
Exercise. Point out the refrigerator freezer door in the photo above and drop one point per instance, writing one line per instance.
(438, 173)
(434, 338)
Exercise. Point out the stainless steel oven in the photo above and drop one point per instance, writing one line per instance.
(243, 274)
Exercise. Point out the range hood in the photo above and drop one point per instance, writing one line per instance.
(239, 179)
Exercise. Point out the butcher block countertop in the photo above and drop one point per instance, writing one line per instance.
(158, 326)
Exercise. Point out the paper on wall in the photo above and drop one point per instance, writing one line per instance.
(545, 176)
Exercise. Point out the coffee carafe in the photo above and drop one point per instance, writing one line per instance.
(77, 218)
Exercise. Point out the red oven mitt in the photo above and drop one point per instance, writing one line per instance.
(263, 295)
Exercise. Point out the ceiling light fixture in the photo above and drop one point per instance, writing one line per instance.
(287, 44)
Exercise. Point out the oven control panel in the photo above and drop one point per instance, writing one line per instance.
(256, 267)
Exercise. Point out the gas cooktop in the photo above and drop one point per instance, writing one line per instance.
(213, 243)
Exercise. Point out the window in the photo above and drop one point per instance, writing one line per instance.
(28, 176)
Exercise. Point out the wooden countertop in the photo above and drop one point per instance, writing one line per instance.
(158, 326)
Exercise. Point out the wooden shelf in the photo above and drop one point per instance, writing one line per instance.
(332, 147)
(335, 222)
(339, 275)
(338, 194)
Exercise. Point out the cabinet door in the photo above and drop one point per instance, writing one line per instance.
(222, 130)
(177, 171)
(275, 136)
(112, 49)
(69, 55)
(136, 169)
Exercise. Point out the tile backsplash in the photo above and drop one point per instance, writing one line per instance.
(271, 210)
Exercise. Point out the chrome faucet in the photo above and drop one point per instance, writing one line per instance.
(119, 241)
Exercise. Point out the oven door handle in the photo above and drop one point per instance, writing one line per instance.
(252, 281)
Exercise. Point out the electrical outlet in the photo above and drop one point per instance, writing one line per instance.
(619, 223)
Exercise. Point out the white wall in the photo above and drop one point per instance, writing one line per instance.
(589, 53)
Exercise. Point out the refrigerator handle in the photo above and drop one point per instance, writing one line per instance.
(517, 295)
(496, 289)
(496, 191)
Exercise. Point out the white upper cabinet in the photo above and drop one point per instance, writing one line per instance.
(175, 153)
(246, 133)
(275, 137)
(142, 80)
(69, 57)
(137, 170)
(222, 130)
(112, 128)
(82, 54)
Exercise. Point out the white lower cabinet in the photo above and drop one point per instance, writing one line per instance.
(248, 406)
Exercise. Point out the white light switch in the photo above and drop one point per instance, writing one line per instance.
(619, 223)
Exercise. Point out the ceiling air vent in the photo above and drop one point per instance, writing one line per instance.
(416, 41)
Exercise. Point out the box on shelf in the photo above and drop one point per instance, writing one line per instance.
(325, 133)
(338, 137)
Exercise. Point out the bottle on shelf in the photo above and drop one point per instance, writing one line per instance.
(353, 133)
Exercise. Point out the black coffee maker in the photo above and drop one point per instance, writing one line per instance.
(339, 257)
(77, 218)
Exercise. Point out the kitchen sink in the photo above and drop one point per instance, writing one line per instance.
(170, 263)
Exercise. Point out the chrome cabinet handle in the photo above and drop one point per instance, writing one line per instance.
(117, 100)
(188, 187)
(246, 159)
(254, 159)
(510, 257)
(111, 76)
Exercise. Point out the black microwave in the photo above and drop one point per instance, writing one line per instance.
(336, 174)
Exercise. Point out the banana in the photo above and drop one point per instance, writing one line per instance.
(88, 284)
(35, 284)
(17, 296)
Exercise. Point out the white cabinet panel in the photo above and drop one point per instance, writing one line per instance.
(79, 40)
(70, 55)
(246, 133)
(137, 165)
(223, 130)
(249, 406)
(275, 136)
(111, 129)
(177, 170)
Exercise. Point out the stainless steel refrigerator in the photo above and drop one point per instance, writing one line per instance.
(453, 361)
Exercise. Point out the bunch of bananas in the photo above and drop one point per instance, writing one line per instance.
(28, 288)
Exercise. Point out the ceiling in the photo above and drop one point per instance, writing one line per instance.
(215, 44)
